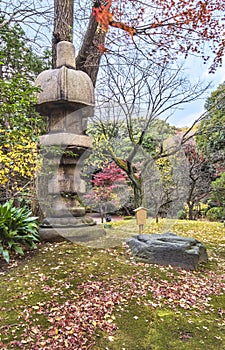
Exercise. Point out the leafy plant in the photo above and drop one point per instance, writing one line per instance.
(182, 214)
(20, 124)
(129, 217)
(217, 213)
(218, 190)
(17, 229)
(108, 184)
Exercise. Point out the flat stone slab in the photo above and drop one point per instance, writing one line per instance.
(73, 234)
(168, 249)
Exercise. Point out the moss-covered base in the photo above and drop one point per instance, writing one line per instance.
(83, 233)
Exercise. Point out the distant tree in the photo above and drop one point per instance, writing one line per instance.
(166, 185)
(211, 131)
(162, 30)
(200, 175)
(130, 104)
(35, 17)
(19, 123)
(107, 191)
(218, 191)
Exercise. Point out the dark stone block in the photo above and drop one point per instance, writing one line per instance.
(168, 249)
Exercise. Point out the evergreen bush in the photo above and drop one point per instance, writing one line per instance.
(18, 229)
(216, 213)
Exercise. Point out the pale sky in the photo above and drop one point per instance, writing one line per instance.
(191, 111)
(195, 70)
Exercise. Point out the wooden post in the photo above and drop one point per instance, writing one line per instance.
(141, 216)
(141, 228)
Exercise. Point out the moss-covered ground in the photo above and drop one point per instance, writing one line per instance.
(96, 296)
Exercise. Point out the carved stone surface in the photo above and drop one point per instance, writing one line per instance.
(56, 121)
(66, 139)
(168, 249)
(63, 85)
(65, 55)
(70, 221)
(66, 97)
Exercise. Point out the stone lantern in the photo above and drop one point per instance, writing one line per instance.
(66, 97)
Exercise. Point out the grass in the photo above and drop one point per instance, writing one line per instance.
(98, 297)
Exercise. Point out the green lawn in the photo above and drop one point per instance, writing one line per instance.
(68, 296)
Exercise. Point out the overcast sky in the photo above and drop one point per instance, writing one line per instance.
(191, 111)
(195, 71)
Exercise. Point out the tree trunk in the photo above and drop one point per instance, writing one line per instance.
(89, 55)
(135, 182)
(138, 195)
(63, 24)
(190, 210)
(101, 212)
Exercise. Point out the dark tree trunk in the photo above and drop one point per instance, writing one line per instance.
(138, 195)
(89, 55)
(190, 210)
(63, 24)
(135, 182)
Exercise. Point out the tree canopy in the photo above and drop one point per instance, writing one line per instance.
(138, 40)
(19, 123)
(211, 131)
(161, 29)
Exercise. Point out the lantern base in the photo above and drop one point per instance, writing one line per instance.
(85, 233)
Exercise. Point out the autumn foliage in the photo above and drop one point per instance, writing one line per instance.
(109, 176)
(169, 27)
(104, 16)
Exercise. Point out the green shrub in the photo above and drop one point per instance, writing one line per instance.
(216, 213)
(128, 217)
(107, 225)
(17, 229)
(181, 215)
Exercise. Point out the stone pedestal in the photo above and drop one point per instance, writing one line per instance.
(82, 234)
(67, 97)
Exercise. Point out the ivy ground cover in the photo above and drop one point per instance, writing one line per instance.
(69, 296)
